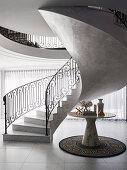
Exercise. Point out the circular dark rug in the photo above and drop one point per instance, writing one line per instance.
(108, 147)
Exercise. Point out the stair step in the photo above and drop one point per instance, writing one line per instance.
(64, 103)
(26, 137)
(73, 91)
(74, 87)
(33, 119)
(64, 98)
(29, 127)
(40, 113)
(36, 116)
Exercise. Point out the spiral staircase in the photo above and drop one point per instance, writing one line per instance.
(55, 96)
(33, 114)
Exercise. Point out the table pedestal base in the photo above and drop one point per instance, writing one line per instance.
(90, 137)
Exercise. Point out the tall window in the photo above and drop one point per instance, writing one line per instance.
(13, 79)
(115, 103)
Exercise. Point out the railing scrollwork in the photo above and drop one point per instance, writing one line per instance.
(119, 17)
(24, 99)
(45, 92)
(60, 85)
(32, 40)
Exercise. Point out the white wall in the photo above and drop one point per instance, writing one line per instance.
(1, 93)
(0, 96)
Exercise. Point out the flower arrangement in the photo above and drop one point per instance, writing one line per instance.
(86, 105)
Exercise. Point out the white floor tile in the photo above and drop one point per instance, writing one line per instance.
(10, 166)
(38, 166)
(45, 156)
(13, 155)
(39, 156)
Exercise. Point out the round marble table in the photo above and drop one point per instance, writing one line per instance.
(90, 137)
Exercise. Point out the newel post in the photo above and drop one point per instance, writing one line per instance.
(46, 107)
(4, 100)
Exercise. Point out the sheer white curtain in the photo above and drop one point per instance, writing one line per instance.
(115, 103)
(13, 79)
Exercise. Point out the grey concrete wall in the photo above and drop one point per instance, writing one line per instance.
(101, 58)
(100, 19)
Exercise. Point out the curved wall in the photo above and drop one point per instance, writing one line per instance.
(100, 19)
(101, 58)
(23, 16)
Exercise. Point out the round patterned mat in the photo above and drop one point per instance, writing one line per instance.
(108, 147)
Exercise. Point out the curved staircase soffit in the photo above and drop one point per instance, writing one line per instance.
(113, 64)
(98, 19)
(31, 51)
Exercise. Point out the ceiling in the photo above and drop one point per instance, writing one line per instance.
(10, 61)
(23, 15)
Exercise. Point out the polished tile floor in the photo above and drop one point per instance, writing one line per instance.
(36, 156)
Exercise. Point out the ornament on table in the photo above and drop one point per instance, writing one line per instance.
(100, 108)
(79, 111)
(86, 106)
(100, 105)
(101, 113)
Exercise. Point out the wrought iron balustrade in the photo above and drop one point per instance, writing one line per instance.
(119, 17)
(45, 92)
(32, 40)
(24, 99)
(60, 85)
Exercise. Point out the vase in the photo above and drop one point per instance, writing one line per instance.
(100, 105)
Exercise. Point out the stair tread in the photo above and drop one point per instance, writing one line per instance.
(22, 123)
(40, 111)
(21, 133)
(44, 111)
(38, 117)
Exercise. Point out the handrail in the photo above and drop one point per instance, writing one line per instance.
(60, 85)
(119, 17)
(32, 40)
(23, 99)
(47, 92)
(53, 42)
(30, 83)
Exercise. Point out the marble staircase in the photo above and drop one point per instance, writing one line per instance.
(32, 126)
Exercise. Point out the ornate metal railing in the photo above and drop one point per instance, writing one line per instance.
(43, 92)
(24, 99)
(60, 85)
(119, 17)
(32, 40)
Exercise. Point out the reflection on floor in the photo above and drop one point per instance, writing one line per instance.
(33, 156)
